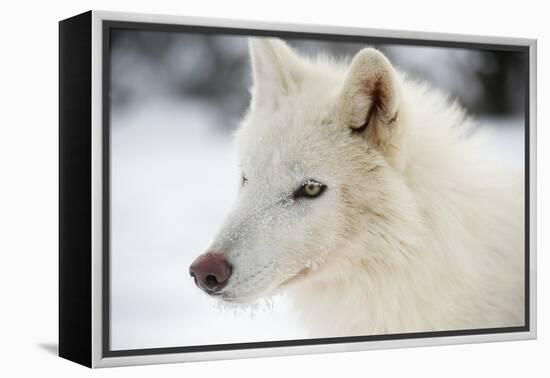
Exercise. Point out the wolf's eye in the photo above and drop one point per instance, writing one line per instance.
(310, 189)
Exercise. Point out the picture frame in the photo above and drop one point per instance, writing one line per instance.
(85, 204)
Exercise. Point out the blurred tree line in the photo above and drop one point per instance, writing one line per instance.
(215, 69)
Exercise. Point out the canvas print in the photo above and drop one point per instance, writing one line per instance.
(267, 188)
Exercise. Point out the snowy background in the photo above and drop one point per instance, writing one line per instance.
(176, 99)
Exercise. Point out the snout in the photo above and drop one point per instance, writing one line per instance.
(211, 272)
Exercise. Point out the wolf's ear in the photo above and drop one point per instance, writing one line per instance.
(369, 101)
(276, 69)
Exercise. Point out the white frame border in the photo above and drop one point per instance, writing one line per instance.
(97, 119)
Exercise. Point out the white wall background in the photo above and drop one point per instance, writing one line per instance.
(28, 190)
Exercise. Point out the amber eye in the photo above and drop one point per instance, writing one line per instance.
(310, 189)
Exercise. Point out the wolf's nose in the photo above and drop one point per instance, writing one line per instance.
(211, 272)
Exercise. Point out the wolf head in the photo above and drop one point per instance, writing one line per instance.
(323, 157)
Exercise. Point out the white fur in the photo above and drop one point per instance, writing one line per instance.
(417, 230)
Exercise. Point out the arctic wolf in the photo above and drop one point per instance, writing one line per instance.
(367, 198)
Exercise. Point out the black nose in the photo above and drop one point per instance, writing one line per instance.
(211, 272)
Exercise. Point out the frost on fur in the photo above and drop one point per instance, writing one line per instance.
(416, 231)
